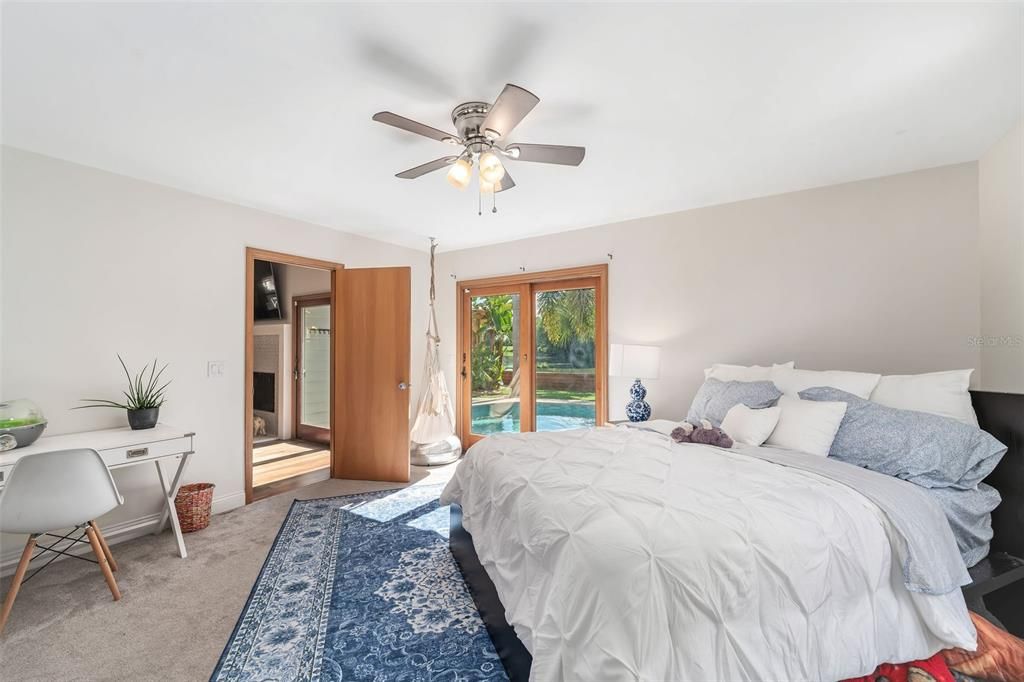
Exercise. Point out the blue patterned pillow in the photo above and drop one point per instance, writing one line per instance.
(715, 397)
(932, 451)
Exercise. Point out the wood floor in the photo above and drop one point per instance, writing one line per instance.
(281, 466)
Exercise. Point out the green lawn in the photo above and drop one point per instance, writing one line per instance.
(552, 394)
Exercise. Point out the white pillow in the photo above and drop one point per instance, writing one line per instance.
(791, 381)
(742, 372)
(807, 425)
(747, 425)
(941, 393)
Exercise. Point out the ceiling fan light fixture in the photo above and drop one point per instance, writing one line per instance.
(482, 133)
(460, 174)
(491, 170)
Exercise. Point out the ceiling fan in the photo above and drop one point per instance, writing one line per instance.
(483, 130)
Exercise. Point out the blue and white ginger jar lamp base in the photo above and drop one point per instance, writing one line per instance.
(638, 410)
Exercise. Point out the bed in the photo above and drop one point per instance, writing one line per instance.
(713, 565)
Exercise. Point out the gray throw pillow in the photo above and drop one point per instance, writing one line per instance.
(932, 451)
(715, 398)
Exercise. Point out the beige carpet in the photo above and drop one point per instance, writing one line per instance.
(176, 614)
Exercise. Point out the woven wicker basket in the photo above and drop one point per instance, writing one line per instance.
(193, 503)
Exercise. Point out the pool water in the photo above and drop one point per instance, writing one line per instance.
(551, 416)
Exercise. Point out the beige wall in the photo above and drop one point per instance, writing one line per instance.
(879, 275)
(1001, 204)
(96, 264)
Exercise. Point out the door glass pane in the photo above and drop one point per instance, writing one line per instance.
(315, 358)
(565, 376)
(494, 363)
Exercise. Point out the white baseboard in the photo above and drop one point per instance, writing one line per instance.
(126, 530)
(226, 503)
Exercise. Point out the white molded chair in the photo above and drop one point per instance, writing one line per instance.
(56, 490)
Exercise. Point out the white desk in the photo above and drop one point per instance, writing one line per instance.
(123, 448)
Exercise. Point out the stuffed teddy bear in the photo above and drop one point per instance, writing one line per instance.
(705, 434)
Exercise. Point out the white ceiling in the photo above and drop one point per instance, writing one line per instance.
(678, 105)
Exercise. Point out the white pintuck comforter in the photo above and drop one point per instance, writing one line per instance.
(620, 555)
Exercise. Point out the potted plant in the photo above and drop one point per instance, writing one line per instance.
(145, 395)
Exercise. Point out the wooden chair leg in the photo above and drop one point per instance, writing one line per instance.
(97, 549)
(105, 546)
(19, 575)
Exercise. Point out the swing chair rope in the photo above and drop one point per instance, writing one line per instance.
(432, 331)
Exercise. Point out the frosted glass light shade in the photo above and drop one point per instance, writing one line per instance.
(637, 362)
(491, 169)
(459, 174)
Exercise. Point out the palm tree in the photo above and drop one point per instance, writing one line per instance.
(567, 315)
(493, 323)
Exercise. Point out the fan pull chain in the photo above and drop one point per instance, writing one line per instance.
(480, 202)
(494, 202)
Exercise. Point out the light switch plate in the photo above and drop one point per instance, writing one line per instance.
(215, 369)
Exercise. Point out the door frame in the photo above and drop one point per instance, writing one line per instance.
(526, 283)
(252, 255)
(298, 302)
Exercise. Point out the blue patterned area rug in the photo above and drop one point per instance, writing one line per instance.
(361, 587)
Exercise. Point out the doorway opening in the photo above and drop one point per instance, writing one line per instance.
(289, 372)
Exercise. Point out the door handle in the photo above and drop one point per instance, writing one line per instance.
(403, 386)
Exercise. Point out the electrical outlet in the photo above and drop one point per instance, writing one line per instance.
(215, 369)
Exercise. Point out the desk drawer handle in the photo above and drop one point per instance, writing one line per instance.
(138, 452)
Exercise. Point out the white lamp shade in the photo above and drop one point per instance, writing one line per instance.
(637, 362)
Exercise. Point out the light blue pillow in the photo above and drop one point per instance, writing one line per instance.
(716, 397)
(932, 451)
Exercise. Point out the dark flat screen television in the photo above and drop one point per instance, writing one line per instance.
(266, 295)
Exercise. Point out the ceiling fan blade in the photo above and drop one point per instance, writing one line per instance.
(547, 153)
(511, 107)
(412, 126)
(425, 168)
(505, 183)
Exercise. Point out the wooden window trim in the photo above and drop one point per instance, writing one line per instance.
(585, 271)
(526, 284)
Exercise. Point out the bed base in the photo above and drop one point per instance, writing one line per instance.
(997, 592)
(514, 656)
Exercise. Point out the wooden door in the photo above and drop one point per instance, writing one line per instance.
(497, 366)
(371, 410)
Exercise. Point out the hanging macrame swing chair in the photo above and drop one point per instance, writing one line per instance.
(433, 433)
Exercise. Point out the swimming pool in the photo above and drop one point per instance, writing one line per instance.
(551, 416)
